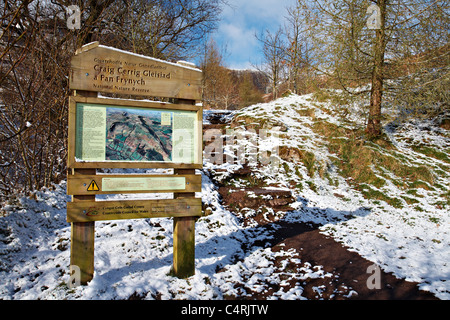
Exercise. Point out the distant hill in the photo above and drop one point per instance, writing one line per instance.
(259, 79)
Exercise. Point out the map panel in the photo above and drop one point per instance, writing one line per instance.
(117, 133)
(137, 135)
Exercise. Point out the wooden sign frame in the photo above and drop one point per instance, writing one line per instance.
(92, 67)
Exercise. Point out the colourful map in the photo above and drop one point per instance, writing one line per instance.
(137, 135)
(110, 133)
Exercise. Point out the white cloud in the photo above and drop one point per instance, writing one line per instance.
(257, 11)
(240, 41)
(241, 20)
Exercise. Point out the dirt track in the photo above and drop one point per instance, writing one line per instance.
(349, 269)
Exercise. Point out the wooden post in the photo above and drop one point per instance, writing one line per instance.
(184, 247)
(184, 238)
(82, 238)
(184, 231)
(82, 233)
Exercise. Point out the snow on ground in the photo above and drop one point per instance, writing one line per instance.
(133, 257)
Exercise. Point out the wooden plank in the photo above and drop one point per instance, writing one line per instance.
(85, 94)
(131, 183)
(133, 165)
(200, 148)
(71, 133)
(134, 103)
(104, 69)
(134, 209)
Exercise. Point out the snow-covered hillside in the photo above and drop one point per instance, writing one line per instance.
(387, 200)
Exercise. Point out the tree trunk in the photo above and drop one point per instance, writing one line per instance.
(374, 121)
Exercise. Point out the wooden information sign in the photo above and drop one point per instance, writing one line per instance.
(124, 133)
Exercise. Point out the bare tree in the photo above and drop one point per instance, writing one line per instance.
(346, 50)
(220, 88)
(274, 54)
(166, 29)
(35, 52)
(211, 65)
(33, 94)
(296, 51)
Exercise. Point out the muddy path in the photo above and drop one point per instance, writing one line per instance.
(352, 275)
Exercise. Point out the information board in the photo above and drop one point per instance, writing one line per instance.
(111, 131)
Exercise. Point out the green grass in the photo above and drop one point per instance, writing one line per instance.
(431, 152)
(373, 194)
(357, 158)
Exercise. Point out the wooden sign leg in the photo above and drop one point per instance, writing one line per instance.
(184, 247)
(184, 238)
(82, 250)
(82, 240)
(82, 233)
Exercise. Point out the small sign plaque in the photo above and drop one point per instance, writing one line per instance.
(143, 184)
(130, 183)
(116, 210)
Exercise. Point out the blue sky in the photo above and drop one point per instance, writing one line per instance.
(239, 23)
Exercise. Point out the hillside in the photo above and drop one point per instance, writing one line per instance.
(384, 201)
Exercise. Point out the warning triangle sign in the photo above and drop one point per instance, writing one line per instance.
(93, 186)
